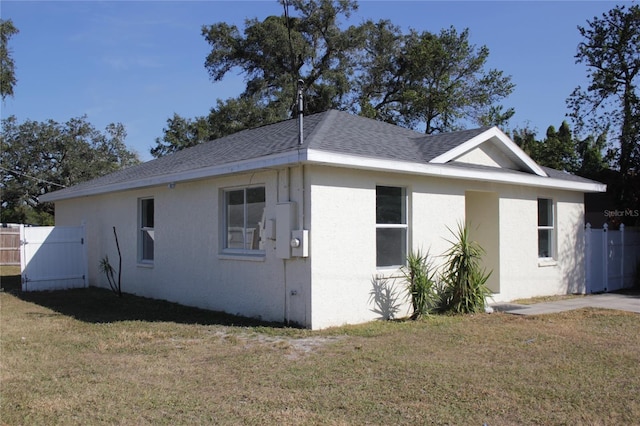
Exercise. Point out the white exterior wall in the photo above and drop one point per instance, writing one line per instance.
(343, 229)
(333, 286)
(344, 245)
(343, 250)
(523, 275)
(188, 266)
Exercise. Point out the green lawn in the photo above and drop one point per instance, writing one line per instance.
(86, 357)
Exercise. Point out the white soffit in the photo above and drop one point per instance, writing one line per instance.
(502, 142)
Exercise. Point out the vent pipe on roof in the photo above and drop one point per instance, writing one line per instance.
(300, 112)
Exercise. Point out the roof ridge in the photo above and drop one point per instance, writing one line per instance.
(455, 132)
(329, 115)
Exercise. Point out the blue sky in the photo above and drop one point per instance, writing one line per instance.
(138, 63)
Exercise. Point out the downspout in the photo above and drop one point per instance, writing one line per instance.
(284, 261)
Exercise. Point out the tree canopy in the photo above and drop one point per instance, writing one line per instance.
(39, 157)
(611, 51)
(432, 82)
(562, 150)
(7, 65)
(422, 80)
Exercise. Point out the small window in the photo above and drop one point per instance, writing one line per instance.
(146, 234)
(545, 228)
(244, 218)
(391, 226)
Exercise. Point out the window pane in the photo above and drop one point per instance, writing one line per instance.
(391, 244)
(147, 213)
(545, 212)
(390, 205)
(235, 219)
(544, 243)
(244, 210)
(255, 211)
(147, 244)
(235, 208)
(146, 234)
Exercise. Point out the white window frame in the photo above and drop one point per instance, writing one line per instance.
(145, 230)
(405, 225)
(551, 228)
(224, 234)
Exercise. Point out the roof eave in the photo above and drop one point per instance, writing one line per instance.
(445, 171)
(185, 176)
(314, 156)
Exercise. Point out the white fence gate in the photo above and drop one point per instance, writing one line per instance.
(611, 257)
(53, 257)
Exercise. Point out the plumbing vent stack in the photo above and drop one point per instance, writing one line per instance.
(300, 112)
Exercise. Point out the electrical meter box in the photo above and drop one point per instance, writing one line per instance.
(285, 223)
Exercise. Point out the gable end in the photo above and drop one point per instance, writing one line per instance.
(491, 148)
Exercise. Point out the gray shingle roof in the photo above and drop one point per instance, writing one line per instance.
(345, 133)
(331, 131)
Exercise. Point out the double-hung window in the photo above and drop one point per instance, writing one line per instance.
(244, 219)
(391, 226)
(146, 234)
(545, 228)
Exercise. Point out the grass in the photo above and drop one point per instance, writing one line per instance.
(87, 357)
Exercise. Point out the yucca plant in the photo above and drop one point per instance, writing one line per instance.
(420, 276)
(464, 278)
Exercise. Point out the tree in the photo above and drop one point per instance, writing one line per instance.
(611, 52)
(435, 82)
(592, 162)
(39, 157)
(227, 117)
(7, 66)
(181, 133)
(525, 138)
(562, 150)
(275, 53)
(430, 81)
(558, 150)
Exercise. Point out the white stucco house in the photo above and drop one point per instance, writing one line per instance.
(265, 223)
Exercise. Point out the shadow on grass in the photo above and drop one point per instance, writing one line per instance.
(98, 305)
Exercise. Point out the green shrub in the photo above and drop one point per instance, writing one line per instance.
(419, 275)
(464, 279)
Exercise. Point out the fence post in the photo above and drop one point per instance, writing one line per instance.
(23, 257)
(605, 255)
(622, 255)
(587, 264)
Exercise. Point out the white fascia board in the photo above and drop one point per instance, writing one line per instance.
(444, 171)
(493, 132)
(185, 176)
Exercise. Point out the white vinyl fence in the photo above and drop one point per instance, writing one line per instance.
(611, 258)
(53, 257)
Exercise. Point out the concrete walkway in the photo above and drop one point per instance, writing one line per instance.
(622, 302)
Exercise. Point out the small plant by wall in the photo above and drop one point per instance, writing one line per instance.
(109, 271)
(463, 278)
(420, 276)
